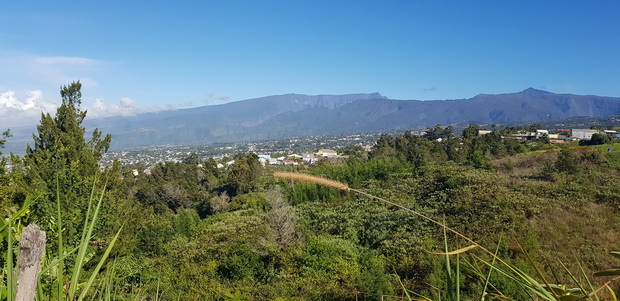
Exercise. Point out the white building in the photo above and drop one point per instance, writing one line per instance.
(326, 153)
(542, 133)
(309, 158)
(583, 134)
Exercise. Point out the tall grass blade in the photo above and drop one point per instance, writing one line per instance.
(608, 272)
(553, 271)
(581, 288)
(522, 279)
(61, 267)
(10, 270)
(615, 254)
(583, 273)
(477, 271)
(99, 265)
(488, 277)
(456, 252)
(538, 271)
(535, 287)
(603, 286)
(408, 296)
(89, 224)
(157, 291)
(611, 292)
(108, 281)
(448, 267)
(457, 274)
(311, 179)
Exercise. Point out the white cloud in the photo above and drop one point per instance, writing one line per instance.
(14, 112)
(25, 72)
(125, 107)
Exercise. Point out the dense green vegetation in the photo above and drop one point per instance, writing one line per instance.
(192, 231)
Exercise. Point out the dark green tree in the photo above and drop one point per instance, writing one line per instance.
(384, 147)
(7, 180)
(439, 131)
(477, 159)
(5, 134)
(244, 172)
(471, 131)
(596, 139)
(60, 156)
(193, 158)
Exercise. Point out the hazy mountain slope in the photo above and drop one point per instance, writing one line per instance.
(373, 115)
(289, 115)
(220, 123)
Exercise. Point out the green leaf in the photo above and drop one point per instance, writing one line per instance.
(611, 292)
(609, 272)
(99, 265)
(615, 254)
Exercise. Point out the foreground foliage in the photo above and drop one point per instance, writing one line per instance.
(193, 231)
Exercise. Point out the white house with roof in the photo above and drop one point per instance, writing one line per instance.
(328, 153)
(264, 159)
(309, 158)
(583, 134)
(542, 133)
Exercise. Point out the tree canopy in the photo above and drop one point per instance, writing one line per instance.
(61, 157)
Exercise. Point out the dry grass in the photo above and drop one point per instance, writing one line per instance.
(311, 179)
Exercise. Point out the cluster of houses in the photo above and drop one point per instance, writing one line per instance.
(559, 135)
(295, 159)
(553, 136)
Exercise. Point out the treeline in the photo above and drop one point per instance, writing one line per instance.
(192, 231)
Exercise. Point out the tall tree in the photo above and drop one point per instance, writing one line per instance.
(5, 135)
(244, 172)
(439, 131)
(61, 156)
(7, 189)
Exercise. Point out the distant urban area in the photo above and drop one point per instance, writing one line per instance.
(309, 150)
(222, 152)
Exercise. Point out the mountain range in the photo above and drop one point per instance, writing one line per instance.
(292, 115)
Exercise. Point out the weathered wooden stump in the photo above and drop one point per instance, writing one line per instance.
(31, 249)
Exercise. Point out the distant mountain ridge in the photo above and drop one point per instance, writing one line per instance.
(291, 115)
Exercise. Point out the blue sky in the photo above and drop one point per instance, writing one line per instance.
(139, 56)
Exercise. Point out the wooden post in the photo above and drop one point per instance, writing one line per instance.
(31, 249)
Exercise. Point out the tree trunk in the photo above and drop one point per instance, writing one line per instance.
(31, 251)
